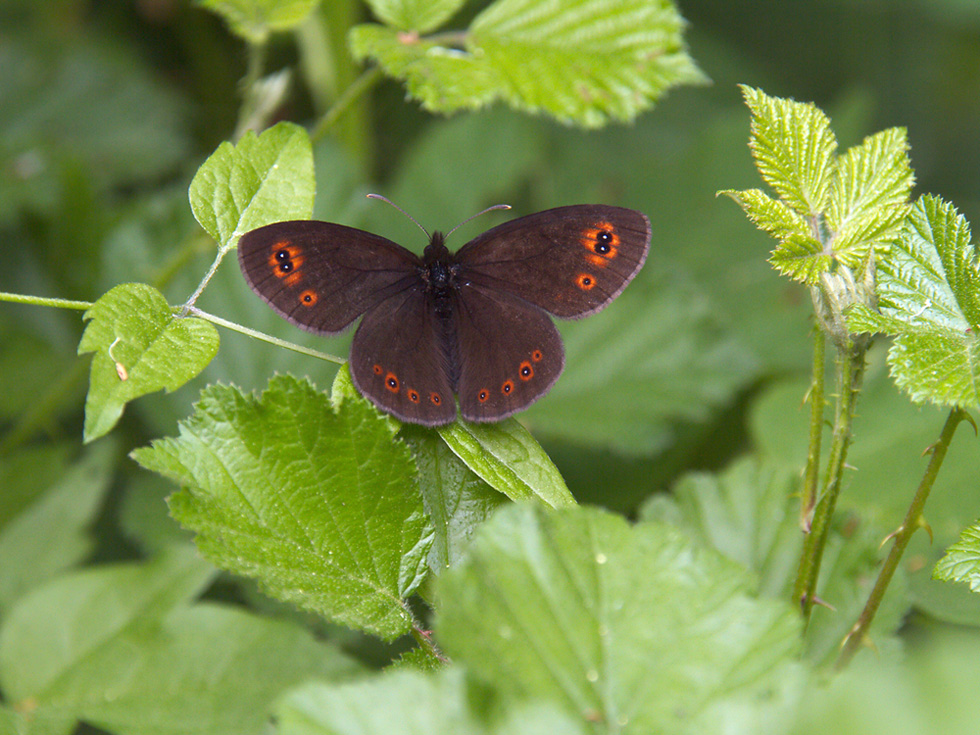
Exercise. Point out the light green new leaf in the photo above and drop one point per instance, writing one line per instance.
(254, 20)
(961, 563)
(418, 16)
(264, 178)
(140, 347)
(929, 301)
(794, 149)
(802, 258)
(632, 625)
(771, 215)
(52, 533)
(584, 62)
(414, 704)
(319, 505)
(507, 457)
(870, 196)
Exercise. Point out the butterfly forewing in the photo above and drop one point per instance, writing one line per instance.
(398, 360)
(570, 261)
(510, 353)
(322, 276)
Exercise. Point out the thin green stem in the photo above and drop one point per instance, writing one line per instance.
(808, 501)
(424, 639)
(189, 304)
(850, 373)
(912, 523)
(360, 86)
(16, 298)
(264, 337)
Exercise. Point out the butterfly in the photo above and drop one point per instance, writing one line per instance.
(472, 323)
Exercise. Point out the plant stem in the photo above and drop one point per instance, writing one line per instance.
(850, 364)
(360, 85)
(424, 639)
(16, 298)
(816, 397)
(913, 522)
(189, 304)
(263, 337)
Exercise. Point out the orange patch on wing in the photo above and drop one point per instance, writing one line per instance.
(526, 371)
(308, 297)
(585, 281)
(391, 382)
(602, 242)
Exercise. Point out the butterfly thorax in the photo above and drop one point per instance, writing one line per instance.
(440, 275)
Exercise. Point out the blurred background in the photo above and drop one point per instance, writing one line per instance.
(107, 108)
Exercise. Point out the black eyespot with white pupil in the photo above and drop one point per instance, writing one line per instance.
(603, 242)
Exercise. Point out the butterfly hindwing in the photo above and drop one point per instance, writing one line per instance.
(397, 360)
(570, 261)
(322, 276)
(510, 354)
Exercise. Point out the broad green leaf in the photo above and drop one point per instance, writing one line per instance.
(254, 20)
(140, 347)
(53, 632)
(414, 704)
(507, 457)
(802, 258)
(750, 514)
(319, 505)
(929, 301)
(656, 356)
(584, 62)
(456, 500)
(52, 533)
(870, 197)
(632, 625)
(169, 667)
(961, 562)
(794, 149)
(263, 178)
(419, 16)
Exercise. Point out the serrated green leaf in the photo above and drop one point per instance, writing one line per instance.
(961, 562)
(202, 668)
(263, 178)
(768, 214)
(802, 258)
(318, 505)
(507, 457)
(584, 62)
(631, 625)
(419, 16)
(140, 347)
(750, 513)
(456, 500)
(929, 299)
(254, 20)
(52, 534)
(794, 149)
(870, 195)
(42, 645)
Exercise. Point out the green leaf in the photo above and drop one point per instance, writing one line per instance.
(794, 149)
(140, 347)
(52, 533)
(414, 704)
(628, 625)
(802, 258)
(52, 633)
(456, 500)
(870, 198)
(169, 667)
(584, 62)
(318, 505)
(961, 563)
(254, 20)
(419, 16)
(771, 215)
(750, 513)
(264, 178)
(929, 301)
(507, 457)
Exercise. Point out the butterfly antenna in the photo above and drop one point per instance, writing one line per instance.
(488, 209)
(386, 199)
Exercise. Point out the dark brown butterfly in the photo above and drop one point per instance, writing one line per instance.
(473, 323)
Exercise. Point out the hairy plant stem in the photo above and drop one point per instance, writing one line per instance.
(424, 639)
(815, 396)
(902, 535)
(350, 95)
(850, 371)
(16, 298)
